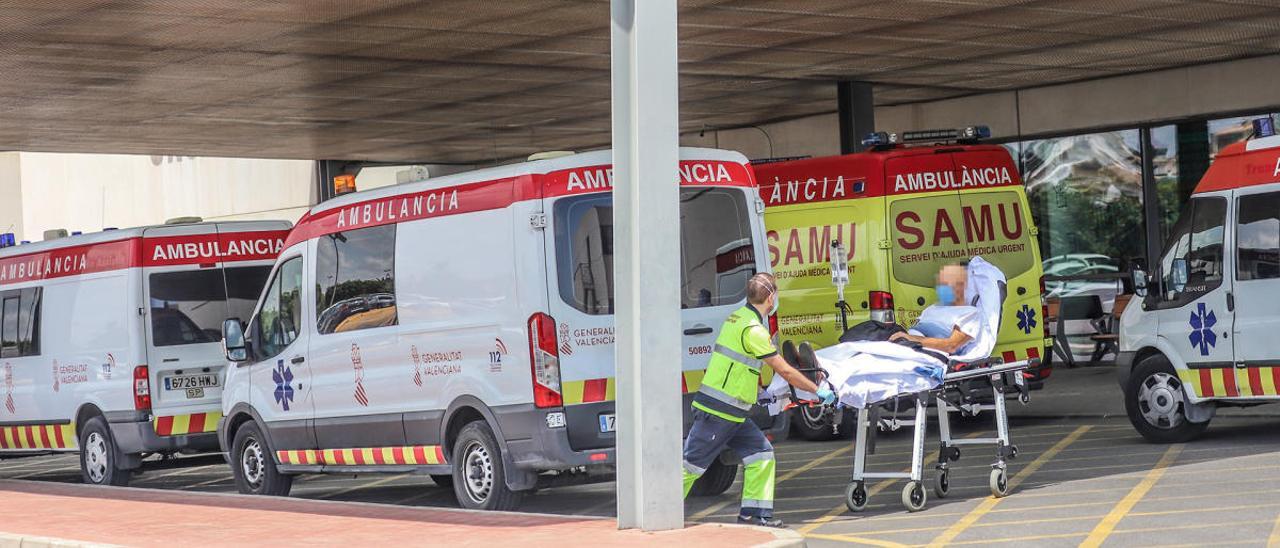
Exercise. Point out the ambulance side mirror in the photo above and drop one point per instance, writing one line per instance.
(1178, 275)
(1140, 278)
(233, 340)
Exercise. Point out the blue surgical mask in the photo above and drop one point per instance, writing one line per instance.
(946, 295)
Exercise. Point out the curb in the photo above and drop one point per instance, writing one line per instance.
(9, 540)
(782, 538)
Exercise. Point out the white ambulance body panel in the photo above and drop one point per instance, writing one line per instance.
(422, 307)
(110, 305)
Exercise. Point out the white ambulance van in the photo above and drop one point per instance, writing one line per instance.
(1205, 333)
(462, 327)
(110, 342)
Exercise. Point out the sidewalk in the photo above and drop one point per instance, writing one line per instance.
(148, 517)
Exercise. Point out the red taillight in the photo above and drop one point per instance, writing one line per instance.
(773, 324)
(141, 388)
(881, 304)
(544, 356)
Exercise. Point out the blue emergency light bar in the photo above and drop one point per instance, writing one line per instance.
(7, 240)
(879, 139)
(1264, 127)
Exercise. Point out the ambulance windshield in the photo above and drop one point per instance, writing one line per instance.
(188, 307)
(717, 254)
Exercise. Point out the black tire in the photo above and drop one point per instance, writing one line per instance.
(1155, 401)
(479, 480)
(99, 462)
(717, 479)
(443, 480)
(855, 496)
(253, 464)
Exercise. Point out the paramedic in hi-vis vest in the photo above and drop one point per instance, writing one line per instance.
(729, 390)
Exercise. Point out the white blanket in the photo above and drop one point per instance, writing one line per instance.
(863, 373)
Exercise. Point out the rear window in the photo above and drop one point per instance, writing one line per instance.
(717, 253)
(188, 307)
(932, 231)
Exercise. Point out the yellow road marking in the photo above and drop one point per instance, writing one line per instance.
(1103, 529)
(987, 504)
(812, 464)
(1274, 540)
(860, 540)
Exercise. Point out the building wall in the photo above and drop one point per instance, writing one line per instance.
(1132, 100)
(88, 192)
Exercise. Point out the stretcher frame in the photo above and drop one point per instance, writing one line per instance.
(949, 397)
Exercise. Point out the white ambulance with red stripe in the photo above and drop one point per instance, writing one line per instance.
(462, 327)
(110, 342)
(1205, 334)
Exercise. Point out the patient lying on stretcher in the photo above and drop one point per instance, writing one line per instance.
(949, 326)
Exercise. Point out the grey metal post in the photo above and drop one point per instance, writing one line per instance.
(646, 198)
(857, 112)
(1150, 202)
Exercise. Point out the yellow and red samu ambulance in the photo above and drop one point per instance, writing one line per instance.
(901, 212)
(1204, 335)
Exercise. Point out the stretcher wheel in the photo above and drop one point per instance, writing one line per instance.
(914, 496)
(855, 497)
(942, 484)
(999, 483)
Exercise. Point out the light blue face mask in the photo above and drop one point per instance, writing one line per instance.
(946, 295)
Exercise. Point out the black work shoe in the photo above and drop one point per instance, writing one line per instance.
(761, 521)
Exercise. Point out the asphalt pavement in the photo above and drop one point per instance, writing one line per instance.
(1082, 477)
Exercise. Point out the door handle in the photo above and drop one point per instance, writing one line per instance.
(698, 330)
(1231, 302)
(297, 360)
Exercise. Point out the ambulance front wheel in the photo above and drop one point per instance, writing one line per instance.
(479, 480)
(1155, 400)
(855, 496)
(98, 460)
(253, 465)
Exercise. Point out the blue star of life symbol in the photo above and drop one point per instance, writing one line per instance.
(283, 376)
(1026, 319)
(1202, 334)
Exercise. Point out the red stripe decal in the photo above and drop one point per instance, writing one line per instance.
(359, 455)
(1229, 382)
(57, 431)
(1206, 383)
(593, 390)
(377, 456)
(3, 444)
(399, 455)
(1275, 377)
(340, 456)
(1033, 353)
(440, 454)
(196, 424)
(684, 384)
(420, 454)
(164, 426)
(1255, 381)
(44, 436)
(31, 436)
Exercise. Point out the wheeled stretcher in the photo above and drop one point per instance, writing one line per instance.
(965, 389)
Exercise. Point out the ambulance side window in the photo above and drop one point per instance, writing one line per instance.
(20, 322)
(1258, 237)
(355, 280)
(281, 313)
(1198, 238)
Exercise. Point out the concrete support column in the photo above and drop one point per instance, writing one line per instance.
(646, 217)
(857, 113)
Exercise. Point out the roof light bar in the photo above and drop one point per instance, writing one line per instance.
(971, 133)
(879, 139)
(1264, 127)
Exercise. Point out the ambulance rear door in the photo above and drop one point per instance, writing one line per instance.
(925, 223)
(995, 223)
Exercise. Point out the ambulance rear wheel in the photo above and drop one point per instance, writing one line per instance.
(479, 480)
(98, 459)
(253, 464)
(716, 480)
(1155, 400)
